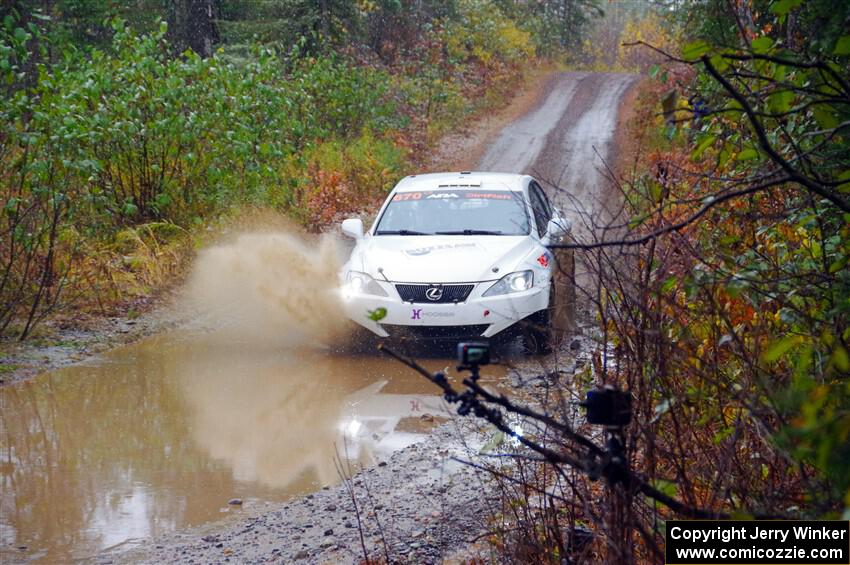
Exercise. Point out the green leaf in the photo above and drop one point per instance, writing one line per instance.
(638, 220)
(377, 314)
(782, 7)
(702, 146)
(667, 487)
(840, 359)
(655, 192)
(723, 434)
(11, 205)
(696, 49)
(780, 102)
(779, 348)
(842, 46)
(719, 63)
(825, 116)
(762, 44)
(838, 265)
(748, 153)
(497, 440)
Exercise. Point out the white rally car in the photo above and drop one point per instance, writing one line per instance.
(456, 255)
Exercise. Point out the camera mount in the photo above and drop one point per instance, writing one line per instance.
(471, 355)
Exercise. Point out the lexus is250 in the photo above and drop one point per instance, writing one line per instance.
(457, 255)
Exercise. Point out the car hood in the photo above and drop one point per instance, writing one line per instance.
(441, 259)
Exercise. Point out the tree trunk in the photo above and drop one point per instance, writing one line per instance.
(193, 25)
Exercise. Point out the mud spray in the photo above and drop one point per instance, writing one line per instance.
(270, 289)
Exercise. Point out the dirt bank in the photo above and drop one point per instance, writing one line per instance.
(71, 339)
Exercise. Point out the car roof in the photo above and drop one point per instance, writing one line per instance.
(465, 179)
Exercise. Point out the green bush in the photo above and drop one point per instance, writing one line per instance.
(133, 135)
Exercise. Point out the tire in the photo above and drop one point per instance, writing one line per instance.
(538, 337)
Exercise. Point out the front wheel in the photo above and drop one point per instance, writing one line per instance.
(539, 336)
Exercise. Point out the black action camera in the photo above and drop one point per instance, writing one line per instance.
(608, 407)
(473, 354)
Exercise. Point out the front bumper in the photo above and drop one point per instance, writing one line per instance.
(488, 315)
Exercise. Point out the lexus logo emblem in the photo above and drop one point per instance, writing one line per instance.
(434, 293)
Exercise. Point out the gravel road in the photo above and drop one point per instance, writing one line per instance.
(421, 506)
(567, 142)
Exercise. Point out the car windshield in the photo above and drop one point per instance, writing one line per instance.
(455, 212)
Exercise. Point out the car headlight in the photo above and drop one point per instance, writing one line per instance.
(361, 283)
(513, 282)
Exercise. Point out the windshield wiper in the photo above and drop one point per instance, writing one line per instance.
(469, 232)
(400, 232)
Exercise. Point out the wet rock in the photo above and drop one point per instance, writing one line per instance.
(575, 345)
(331, 508)
(303, 554)
(235, 502)
(329, 532)
(382, 464)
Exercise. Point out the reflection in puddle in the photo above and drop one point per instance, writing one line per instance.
(160, 435)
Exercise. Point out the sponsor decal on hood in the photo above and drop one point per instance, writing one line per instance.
(417, 251)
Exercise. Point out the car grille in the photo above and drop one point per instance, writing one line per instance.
(419, 292)
(435, 332)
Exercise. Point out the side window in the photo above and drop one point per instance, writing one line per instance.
(540, 207)
(549, 211)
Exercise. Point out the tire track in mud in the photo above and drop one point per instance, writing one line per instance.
(567, 142)
(520, 143)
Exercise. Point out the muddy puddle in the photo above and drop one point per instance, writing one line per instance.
(160, 435)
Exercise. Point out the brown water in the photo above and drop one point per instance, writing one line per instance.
(160, 435)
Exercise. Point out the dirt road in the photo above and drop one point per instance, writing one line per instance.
(567, 142)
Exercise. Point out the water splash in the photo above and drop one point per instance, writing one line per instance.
(274, 288)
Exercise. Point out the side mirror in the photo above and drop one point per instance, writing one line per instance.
(353, 227)
(558, 228)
